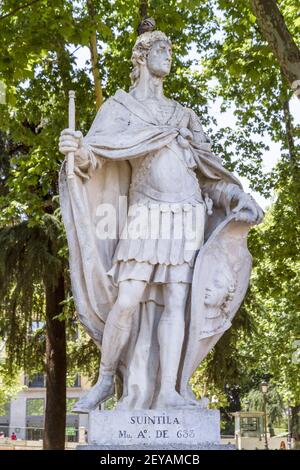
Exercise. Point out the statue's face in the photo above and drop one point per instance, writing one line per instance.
(159, 59)
(216, 291)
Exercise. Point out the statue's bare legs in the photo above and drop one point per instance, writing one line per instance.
(115, 337)
(170, 338)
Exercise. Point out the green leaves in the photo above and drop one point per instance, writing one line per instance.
(276, 283)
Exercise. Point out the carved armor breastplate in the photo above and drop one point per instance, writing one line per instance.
(165, 176)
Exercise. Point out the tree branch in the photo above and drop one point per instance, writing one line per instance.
(95, 57)
(143, 9)
(288, 121)
(21, 7)
(274, 30)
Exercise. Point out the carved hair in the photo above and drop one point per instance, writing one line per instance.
(229, 275)
(232, 280)
(141, 49)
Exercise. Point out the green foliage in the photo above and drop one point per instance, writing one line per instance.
(29, 260)
(83, 355)
(254, 401)
(276, 284)
(35, 407)
(9, 387)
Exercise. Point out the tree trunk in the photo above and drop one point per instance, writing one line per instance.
(290, 144)
(56, 368)
(143, 9)
(63, 60)
(95, 57)
(274, 30)
(295, 410)
(289, 130)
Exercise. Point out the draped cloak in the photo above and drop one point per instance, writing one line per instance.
(125, 129)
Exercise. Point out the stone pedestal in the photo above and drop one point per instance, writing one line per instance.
(156, 429)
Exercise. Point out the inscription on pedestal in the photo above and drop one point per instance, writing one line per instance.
(154, 427)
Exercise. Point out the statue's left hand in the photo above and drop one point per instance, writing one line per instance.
(248, 210)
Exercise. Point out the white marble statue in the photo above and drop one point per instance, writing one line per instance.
(158, 282)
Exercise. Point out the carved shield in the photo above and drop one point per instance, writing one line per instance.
(221, 276)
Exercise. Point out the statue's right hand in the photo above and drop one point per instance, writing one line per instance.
(70, 141)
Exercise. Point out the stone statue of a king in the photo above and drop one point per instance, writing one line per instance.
(157, 233)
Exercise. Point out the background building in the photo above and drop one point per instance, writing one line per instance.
(24, 415)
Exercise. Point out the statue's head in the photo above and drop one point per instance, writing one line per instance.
(152, 50)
